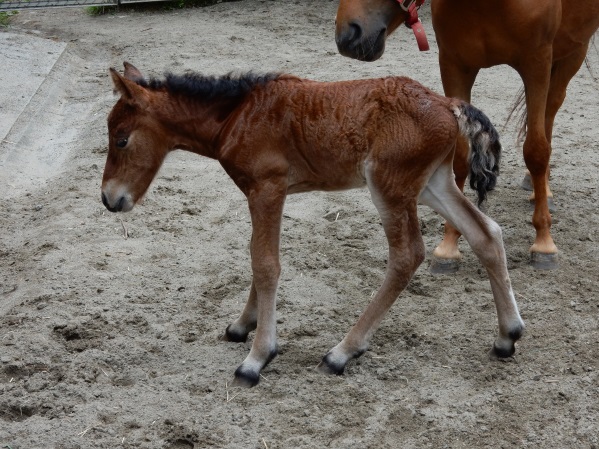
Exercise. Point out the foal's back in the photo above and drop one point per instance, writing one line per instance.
(326, 131)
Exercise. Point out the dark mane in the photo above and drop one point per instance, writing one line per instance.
(210, 87)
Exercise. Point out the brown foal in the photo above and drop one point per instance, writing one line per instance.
(545, 41)
(278, 134)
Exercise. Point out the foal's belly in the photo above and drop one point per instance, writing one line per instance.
(329, 181)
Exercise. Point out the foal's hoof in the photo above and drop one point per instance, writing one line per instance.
(327, 366)
(245, 379)
(542, 261)
(503, 353)
(505, 346)
(527, 182)
(444, 266)
(235, 337)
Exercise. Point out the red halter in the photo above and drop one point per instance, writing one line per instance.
(413, 22)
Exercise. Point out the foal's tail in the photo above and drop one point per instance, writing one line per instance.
(485, 149)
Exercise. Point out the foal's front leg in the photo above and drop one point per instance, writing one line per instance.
(266, 208)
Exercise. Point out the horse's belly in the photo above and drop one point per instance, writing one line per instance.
(327, 180)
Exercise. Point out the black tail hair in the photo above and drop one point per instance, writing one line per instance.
(485, 148)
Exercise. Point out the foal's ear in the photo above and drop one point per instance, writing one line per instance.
(132, 73)
(129, 90)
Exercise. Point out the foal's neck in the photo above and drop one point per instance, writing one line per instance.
(196, 125)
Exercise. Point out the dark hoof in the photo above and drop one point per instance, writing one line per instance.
(234, 337)
(272, 355)
(245, 379)
(326, 366)
(541, 261)
(527, 182)
(550, 205)
(444, 266)
(503, 353)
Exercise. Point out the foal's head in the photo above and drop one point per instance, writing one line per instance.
(362, 26)
(138, 143)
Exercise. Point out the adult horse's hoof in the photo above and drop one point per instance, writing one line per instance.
(444, 266)
(541, 261)
(526, 183)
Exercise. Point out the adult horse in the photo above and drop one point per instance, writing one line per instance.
(545, 41)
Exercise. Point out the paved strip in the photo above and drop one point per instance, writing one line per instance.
(25, 62)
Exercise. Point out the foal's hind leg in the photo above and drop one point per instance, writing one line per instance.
(457, 83)
(406, 253)
(447, 256)
(484, 236)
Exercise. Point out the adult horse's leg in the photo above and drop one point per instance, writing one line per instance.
(266, 209)
(484, 236)
(457, 83)
(535, 73)
(406, 253)
(562, 72)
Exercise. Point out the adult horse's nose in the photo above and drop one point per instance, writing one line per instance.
(105, 201)
(347, 37)
(117, 207)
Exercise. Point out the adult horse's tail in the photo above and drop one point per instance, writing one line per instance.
(485, 149)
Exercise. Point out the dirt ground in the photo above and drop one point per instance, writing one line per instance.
(110, 342)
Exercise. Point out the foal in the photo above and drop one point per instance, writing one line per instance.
(278, 134)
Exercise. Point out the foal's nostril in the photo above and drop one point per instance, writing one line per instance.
(105, 201)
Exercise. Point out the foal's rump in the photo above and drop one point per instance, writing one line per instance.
(331, 129)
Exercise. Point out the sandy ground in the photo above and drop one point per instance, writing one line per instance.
(109, 342)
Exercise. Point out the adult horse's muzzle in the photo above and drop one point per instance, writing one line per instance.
(354, 43)
(117, 199)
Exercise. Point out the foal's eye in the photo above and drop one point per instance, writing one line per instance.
(121, 143)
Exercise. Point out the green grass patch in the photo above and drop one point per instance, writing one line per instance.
(5, 17)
